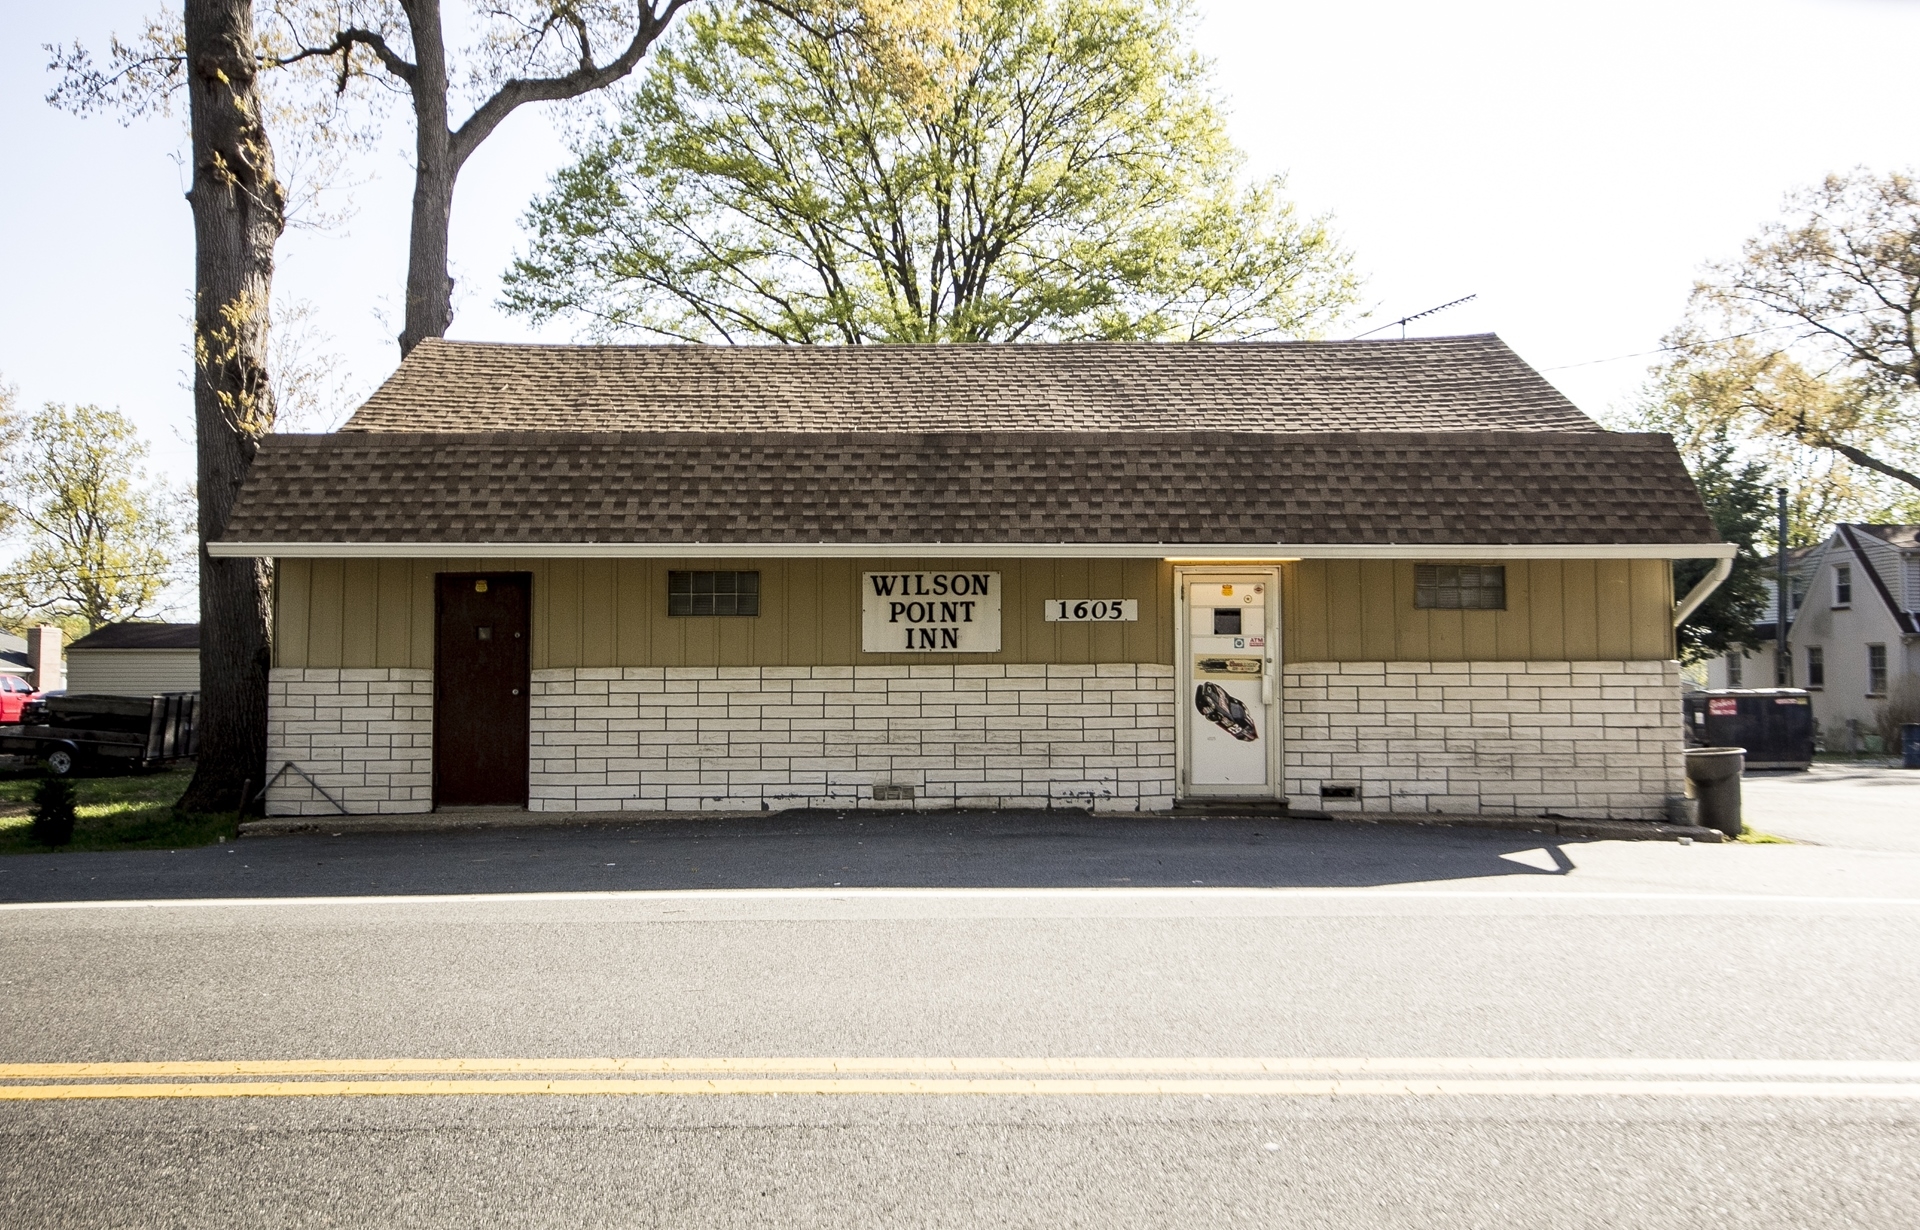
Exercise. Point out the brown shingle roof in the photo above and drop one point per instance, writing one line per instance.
(962, 487)
(1425, 384)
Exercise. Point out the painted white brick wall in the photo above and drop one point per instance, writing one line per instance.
(1584, 739)
(1591, 740)
(693, 738)
(364, 735)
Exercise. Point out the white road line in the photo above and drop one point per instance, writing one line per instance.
(825, 895)
(1066, 1087)
(1040, 1065)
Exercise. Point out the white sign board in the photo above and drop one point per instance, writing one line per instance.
(1093, 610)
(930, 612)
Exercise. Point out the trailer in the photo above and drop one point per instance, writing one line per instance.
(78, 734)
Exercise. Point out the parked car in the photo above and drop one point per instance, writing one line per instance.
(15, 692)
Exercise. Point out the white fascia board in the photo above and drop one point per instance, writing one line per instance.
(1198, 552)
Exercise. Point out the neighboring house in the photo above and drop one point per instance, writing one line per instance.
(34, 657)
(135, 659)
(1381, 575)
(1853, 631)
(1755, 667)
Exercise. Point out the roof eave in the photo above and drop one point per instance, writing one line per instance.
(1197, 551)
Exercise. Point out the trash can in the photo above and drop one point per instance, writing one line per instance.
(1910, 745)
(1713, 777)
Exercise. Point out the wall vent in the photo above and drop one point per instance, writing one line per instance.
(893, 794)
(1339, 790)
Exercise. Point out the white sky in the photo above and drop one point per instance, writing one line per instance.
(1571, 164)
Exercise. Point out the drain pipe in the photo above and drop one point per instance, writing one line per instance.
(1722, 569)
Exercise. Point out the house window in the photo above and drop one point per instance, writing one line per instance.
(713, 593)
(1876, 670)
(1734, 664)
(1816, 667)
(1843, 585)
(1460, 587)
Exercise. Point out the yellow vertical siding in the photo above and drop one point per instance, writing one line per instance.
(334, 613)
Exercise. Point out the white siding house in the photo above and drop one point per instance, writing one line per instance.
(1854, 632)
(135, 659)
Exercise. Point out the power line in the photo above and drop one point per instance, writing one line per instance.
(1731, 337)
(1402, 322)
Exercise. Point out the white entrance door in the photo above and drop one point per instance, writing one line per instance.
(1229, 631)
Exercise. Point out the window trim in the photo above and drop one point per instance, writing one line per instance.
(1881, 671)
(1816, 665)
(1842, 586)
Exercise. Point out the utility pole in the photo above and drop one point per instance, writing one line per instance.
(1783, 587)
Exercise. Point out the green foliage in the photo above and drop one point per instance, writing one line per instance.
(53, 815)
(101, 542)
(1060, 171)
(1808, 346)
(1739, 498)
(118, 812)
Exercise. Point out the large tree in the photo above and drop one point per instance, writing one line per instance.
(1054, 169)
(100, 542)
(328, 55)
(1739, 498)
(1812, 336)
(239, 212)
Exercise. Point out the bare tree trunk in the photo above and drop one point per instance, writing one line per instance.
(238, 214)
(429, 284)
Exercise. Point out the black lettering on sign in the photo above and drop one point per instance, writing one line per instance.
(883, 584)
(894, 611)
(949, 638)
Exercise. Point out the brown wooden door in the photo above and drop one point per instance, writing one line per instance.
(481, 681)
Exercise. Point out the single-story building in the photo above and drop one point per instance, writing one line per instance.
(1382, 575)
(135, 659)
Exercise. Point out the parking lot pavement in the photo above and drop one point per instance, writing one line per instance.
(1860, 807)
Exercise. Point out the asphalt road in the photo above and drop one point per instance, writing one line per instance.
(1038, 938)
(1859, 806)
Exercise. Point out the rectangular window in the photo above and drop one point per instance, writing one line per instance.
(713, 593)
(1843, 585)
(1876, 670)
(1816, 667)
(1460, 587)
(1734, 665)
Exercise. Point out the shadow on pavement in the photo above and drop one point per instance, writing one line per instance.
(819, 849)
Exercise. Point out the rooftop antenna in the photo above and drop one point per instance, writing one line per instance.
(1402, 322)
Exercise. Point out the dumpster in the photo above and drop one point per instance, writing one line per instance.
(1713, 777)
(1910, 745)
(1775, 725)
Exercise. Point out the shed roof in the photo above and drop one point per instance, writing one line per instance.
(1471, 383)
(889, 490)
(139, 636)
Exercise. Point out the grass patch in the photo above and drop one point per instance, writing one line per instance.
(1754, 837)
(124, 812)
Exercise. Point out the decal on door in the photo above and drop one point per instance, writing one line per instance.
(1224, 710)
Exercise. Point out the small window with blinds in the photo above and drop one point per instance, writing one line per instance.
(713, 593)
(1460, 587)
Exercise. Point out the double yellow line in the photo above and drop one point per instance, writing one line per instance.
(987, 1076)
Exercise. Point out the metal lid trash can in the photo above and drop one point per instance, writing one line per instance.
(1713, 777)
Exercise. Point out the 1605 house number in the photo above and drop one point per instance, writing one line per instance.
(1092, 610)
(930, 612)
